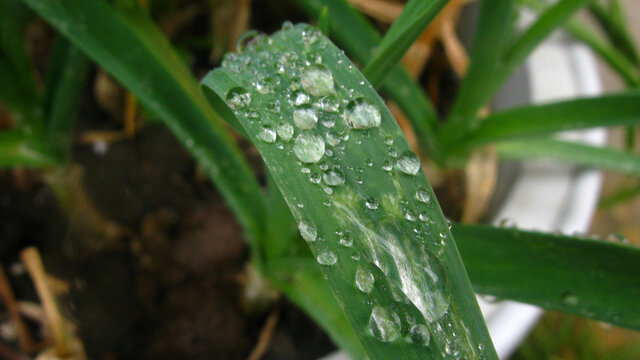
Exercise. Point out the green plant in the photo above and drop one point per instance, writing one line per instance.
(395, 283)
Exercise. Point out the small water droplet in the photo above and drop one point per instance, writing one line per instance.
(299, 97)
(420, 335)
(285, 131)
(570, 299)
(327, 258)
(238, 98)
(409, 163)
(249, 40)
(305, 117)
(372, 203)
(264, 85)
(387, 166)
(346, 240)
(267, 134)
(364, 280)
(310, 35)
(273, 106)
(384, 325)
(618, 238)
(308, 147)
(315, 178)
(317, 80)
(333, 177)
(327, 103)
(362, 113)
(423, 195)
(308, 231)
(287, 25)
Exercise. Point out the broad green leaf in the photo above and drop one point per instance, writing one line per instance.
(492, 32)
(360, 39)
(65, 85)
(123, 40)
(415, 17)
(532, 120)
(357, 193)
(571, 152)
(592, 278)
(17, 150)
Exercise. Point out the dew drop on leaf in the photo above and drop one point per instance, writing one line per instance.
(327, 258)
(299, 97)
(327, 103)
(420, 335)
(333, 177)
(362, 113)
(423, 195)
(308, 231)
(364, 280)
(264, 85)
(409, 163)
(285, 131)
(384, 325)
(238, 98)
(305, 117)
(267, 134)
(308, 147)
(317, 80)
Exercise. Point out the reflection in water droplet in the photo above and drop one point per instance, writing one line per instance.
(423, 195)
(264, 85)
(308, 147)
(285, 131)
(327, 103)
(238, 98)
(362, 113)
(327, 258)
(384, 325)
(371, 203)
(409, 163)
(420, 335)
(305, 117)
(364, 280)
(333, 177)
(299, 97)
(267, 134)
(308, 231)
(317, 80)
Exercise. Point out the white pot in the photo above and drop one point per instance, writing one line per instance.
(543, 195)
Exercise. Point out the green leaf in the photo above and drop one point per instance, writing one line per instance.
(532, 120)
(65, 85)
(360, 39)
(571, 152)
(621, 195)
(415, 17)
(358, 196)
(592, 278)
(16, 149)
(491, 34)
(323, 21)
(123, 40)
(614, 27)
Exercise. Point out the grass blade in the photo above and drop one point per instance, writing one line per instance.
(394, 270)
(615, 28)
(592, 278)
(359, 38)
(16, 150)
(621, 195)
(571, 152)
(415, 17)
(526, 121)
(129, 46)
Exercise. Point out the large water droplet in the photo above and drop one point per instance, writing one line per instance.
(420, 335)
(308, 231)
(267, 134)
(285, 131)
(333, 177)
(423, 195)
(305, 117)
(238, 98)
(317, 80)
(409, 163)
(384, 325)
(364, 280)
(308, 147)
(362, 113)
(327, 258)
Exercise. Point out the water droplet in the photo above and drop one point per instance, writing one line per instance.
(409, 163)
(238, 98)
(317, 80)
(570, 299)
(362, 113)
(346, 240)
(384, 326)
(308, 147)
(274, 106)
(332, 139)
(285, 131)
(423, 195)
(267, 134)
(333, 177)
(299, 97)
(308, 231)
(305, 117)
(327, 258)
(364, 280)
(315, 178)
(249, 40)
(327, 103)
(617, 237)
(372, 203)
(310, 35)
(264, 85)
(287, 25)
(420, 335)
(387, 166)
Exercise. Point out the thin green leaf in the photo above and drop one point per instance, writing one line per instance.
(532, 120)
(16, 149)
(65, 86)
(492, 31)
(359, 38)
(615, 29)
(415, 17)
(621, 195)
(571, 152)
(592, 278)
(342, 183)
(124, 41)
(323, 21)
